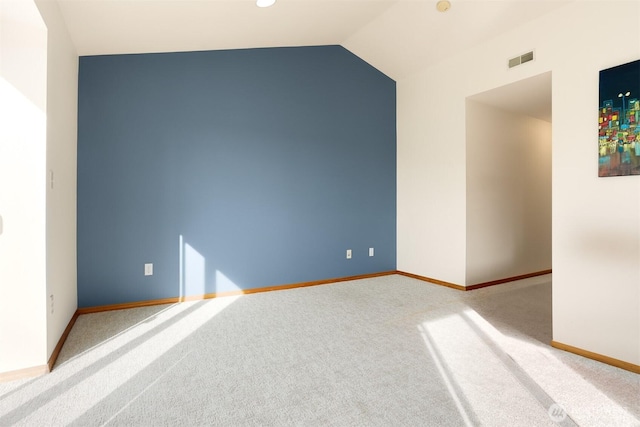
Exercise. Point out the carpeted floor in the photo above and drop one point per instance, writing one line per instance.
(387, 351)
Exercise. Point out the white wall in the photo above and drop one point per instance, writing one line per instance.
(508, 194)
(38, 99)
(23, 74)
(62, 96)
(431, 174)
(596, 221)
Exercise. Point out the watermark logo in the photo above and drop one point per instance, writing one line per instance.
(557, 413)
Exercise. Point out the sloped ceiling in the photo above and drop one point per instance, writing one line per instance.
(395, 36)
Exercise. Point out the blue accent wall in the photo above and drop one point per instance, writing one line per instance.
(232, 170)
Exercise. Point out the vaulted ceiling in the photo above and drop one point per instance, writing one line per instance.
(396, 36)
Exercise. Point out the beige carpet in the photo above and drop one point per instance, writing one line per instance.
(385, 351)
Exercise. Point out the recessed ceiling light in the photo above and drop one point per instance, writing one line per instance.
(443, 5)
(265, 3)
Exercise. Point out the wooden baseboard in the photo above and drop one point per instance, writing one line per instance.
(44, 369)
(176, 300)
(63, 338)
(126, 305)
(434, 281)
(34, 371)
(506, 280)
(476, 286)
(599, 357)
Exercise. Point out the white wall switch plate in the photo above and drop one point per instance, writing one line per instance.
(148, 269)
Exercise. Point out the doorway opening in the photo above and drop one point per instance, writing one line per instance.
(508, 163)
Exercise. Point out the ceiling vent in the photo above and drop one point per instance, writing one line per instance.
(526, 57)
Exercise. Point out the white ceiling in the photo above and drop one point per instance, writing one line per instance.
(135, 26)
(396, 36)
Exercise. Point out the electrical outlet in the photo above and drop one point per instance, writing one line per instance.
(370, 251)
(348, 253)
(51, 303)
(148, 269)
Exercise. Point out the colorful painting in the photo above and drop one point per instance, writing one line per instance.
(618, 115)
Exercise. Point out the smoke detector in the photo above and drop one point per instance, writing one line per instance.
(443, 5)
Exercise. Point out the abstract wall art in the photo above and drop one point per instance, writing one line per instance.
(618, 115)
